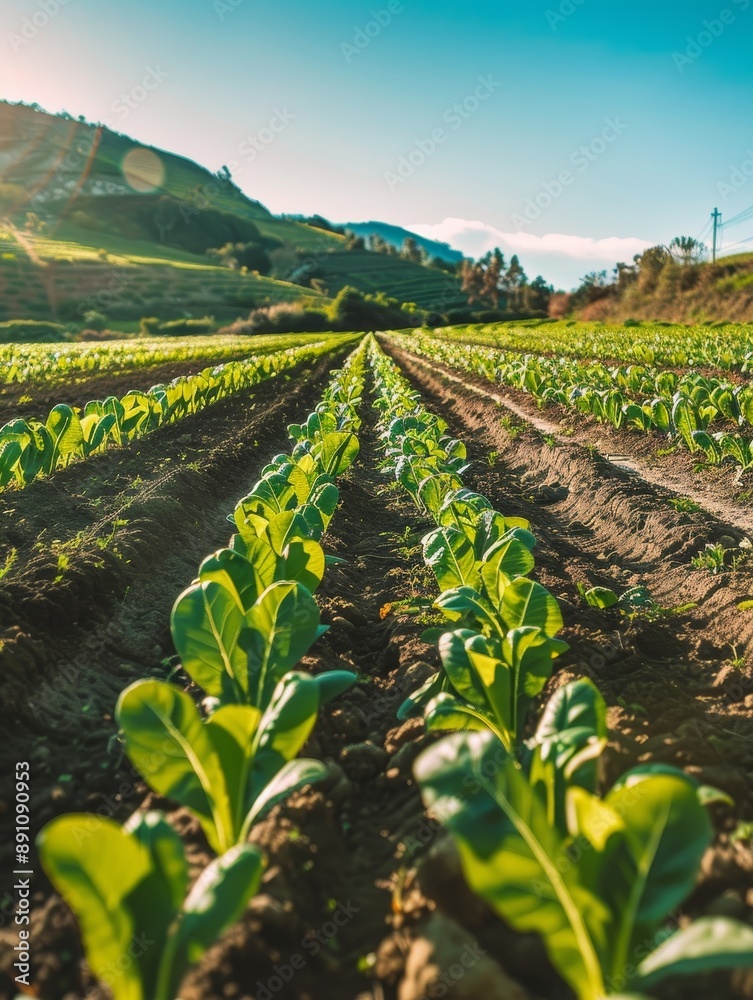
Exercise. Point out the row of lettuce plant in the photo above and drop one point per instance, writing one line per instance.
(30, 448)
(240, 630)
(726, 346)
(597, 876)
(685, 408)
(22, 363)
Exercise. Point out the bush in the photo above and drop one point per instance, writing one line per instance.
(95, 320)
(148, 326)
(491, 316)
(281, 318)
(352, 310)
(456, 317)
(151, 326)
(29, 331)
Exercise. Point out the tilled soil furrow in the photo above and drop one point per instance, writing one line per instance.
(338, 851)
(79, 623)
(676, 696)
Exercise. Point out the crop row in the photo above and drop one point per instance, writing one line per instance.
(595, 875)
(728, 346)
(684, 408)
(30, 448)
(20, 363)
(240, 630)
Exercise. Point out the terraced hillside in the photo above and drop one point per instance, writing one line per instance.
(91, 219)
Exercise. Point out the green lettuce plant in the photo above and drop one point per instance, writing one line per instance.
(128, 886)
(231, 768)
(597, 878)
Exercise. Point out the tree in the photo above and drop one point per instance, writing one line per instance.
(377, 243)
(537, 295)
(686, 250)
(252, 256)
(472, 281)
(353, 242)
(593, 287)
(412, 251)
(514, 282)
(625, 275)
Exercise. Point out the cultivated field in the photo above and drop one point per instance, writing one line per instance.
(399, 666)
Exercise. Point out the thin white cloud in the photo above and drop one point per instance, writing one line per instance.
(476, 238)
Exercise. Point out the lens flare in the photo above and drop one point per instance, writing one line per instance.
(143, 170)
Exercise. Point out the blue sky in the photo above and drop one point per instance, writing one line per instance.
(573, 133)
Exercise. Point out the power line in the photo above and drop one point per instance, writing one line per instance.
(704, 233)
(743, 216)
(731, 246)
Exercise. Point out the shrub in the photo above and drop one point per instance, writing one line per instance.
(95, 320)
(26, 331)
(281, 318)
(352, 310)
(151, 326)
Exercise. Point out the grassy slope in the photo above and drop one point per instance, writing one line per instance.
(718, 292)
(31, 143)
(400, 278)
(48, 156)
(136, 276)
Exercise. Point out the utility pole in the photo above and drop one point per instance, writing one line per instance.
(716, 215)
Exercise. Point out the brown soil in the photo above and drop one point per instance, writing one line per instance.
(102, 549)
(673, 693)
(40, 397)
(361, 847)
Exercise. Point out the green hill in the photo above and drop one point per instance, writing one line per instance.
(396, 237)
(677, 293)
(406, 281)
(91, 219)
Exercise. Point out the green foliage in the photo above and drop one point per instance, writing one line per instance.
(234, 766)
(129, 885)
(685, 407)
(29, 448)
(240, 629)
(27, 331)
(597, 883)
(499, 656)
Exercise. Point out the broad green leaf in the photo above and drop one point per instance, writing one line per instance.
(667, 831)
(291, 776)
(525, 603)
(337, 452)
(206, 626)
(243, 576)
(169, 745)
(95, 865)
(277, 632)
(708, 944)
(216, 902)
(303, 561)
(64, 426)
(601, 597)
(448, 712)
(508, 558)
(415, 703)
(158, 897)
(509, 852)
(450, 555)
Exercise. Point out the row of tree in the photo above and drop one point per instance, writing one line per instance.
(494, 282)
(682, 254)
